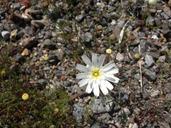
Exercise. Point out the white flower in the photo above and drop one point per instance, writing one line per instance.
(96, 75)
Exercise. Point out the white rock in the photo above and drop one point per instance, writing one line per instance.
(5, 35)
(119, 57)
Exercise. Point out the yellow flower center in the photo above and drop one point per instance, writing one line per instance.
(95, 73)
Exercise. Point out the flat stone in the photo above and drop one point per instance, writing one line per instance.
(49, 44)
(29, 43)
(150, 21)
(16, 6)
(155, 93)
(168, 96)
(162, 59)
(127, 111)
(99, 105)
(150, 75)
(96, 125)
(149, 61)
(167, 10)
(78, 112)
(87, 37)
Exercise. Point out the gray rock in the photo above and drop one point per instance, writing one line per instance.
(169, 56)
(126, 111)
(104, 117)
(150, 21)
(87, 37)
(155, 93)
(102, 105)
(167, 11)
(16, 6)
(42, 82)
(149, 61)
(168, 96)
(19, 58)
(137, 76)
(5, 35)
(96, 125)
(150, 75)
(78, 112)
(48, 35)
(164, 15)
(80, 17)
(162, 59)
(60, 53)
(164, 124)
(143, 45)
(49, 44)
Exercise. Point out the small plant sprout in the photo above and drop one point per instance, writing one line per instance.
(96, 75)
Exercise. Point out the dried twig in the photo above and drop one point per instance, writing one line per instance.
(140, 69)
(129, 54)
(122, 33)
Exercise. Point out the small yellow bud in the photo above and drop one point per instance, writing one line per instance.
(137, 56)
(2, 72)
(108, 51)
(25, 96)
(152, 2)
(45, 57)
(56, 110)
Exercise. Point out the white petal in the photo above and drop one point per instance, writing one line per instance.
(82, 76)
(86, 60)
(94, 59)
(101, 60)
(81, 68)
(108, 85)
(112, 78)
(103, 88)
(83, 82)
(108, 67)
(108, 64)
(89, 87)
(112, 71)
(96, 90)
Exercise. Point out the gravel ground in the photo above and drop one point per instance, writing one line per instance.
(51, 36)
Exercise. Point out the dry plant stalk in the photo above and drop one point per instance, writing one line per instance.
(140, 62)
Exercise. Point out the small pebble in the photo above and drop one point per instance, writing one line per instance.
(25, 52)
(150, 75)
(149, 61)
(5, 35)
(155, 93)
(119, 57)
